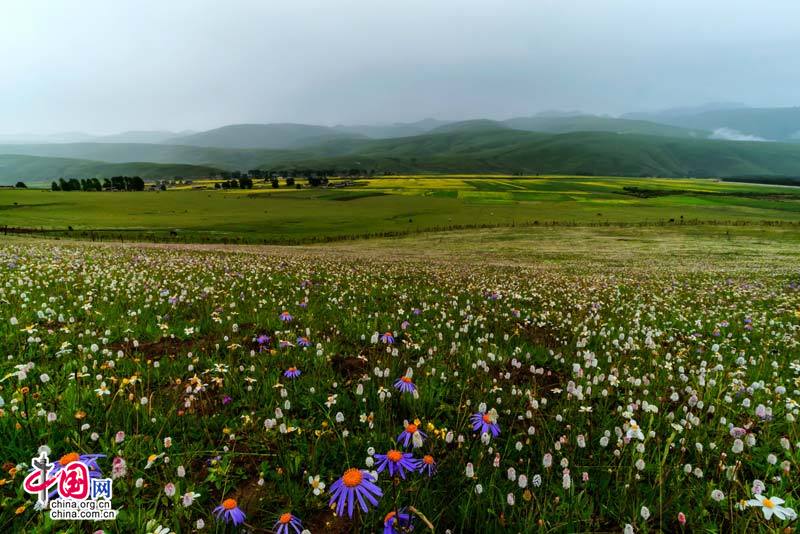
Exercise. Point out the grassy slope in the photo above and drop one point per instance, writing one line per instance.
(591, 123)
(476, 147)
(29, 169)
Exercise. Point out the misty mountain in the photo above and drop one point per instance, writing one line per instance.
(683, 111)
(593, 123)
(771, 124)
(273, 136)
(475, 125)
(387, 131)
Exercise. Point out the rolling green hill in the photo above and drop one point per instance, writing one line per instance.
(14, 168)
(593, 123)
(272, 136)
(599, 153)
(465, 147)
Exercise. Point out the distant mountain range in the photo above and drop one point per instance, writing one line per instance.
(746, 124)
(707, 141)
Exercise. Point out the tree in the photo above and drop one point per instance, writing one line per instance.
(55, 186)
(275, 183)
(21, 185)
(290, 181)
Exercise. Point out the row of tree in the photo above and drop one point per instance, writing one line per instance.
(242, 182)
(116, 183)
(258, 174)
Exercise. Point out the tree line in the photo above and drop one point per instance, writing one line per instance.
(115, 183)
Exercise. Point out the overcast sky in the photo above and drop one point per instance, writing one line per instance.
(103, 66)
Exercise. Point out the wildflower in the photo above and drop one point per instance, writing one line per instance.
(397, 521)
(772, 506)
(405, 384)
(427, 464)
(230, 512)
(262, 341)
(486, 422)
(634, 431)
(285, 521)
(169, 489)
(315, 483)
(152, 459)
(188, 498)
(118, 468)
(303, 342)
(292, 372)
(396, 461)
(354, 484)
(387, 338)
(681, 518)
(645, 513)
(717, 495)
(413, 434)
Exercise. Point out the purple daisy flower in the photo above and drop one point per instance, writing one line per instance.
(396, 522)
(284, 344)
(292, 372)
(89, 460)
(230, 512)
(485, 422)
(354, 484)
(286, 317)
(409, 434)
(427, 465)
(405, 384)
(404, 325)
(397, 461)
(387, 338)
(285, 521)
(303, 342)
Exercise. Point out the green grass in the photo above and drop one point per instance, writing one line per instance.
(571, 336)
(394, 205)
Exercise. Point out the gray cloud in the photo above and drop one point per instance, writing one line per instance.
(101, 66)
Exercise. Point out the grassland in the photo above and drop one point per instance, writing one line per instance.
(170, 360)
(393, 206)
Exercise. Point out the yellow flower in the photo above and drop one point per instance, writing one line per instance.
(19, 510)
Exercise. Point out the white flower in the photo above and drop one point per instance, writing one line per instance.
(645, 513)
(317, 484)
(634, 431)
(188, 498)
(717, 495)
(772, 506)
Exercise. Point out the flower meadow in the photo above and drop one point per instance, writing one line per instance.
(297, 392)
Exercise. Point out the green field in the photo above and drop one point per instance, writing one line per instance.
(393, 206)
(171, 361)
